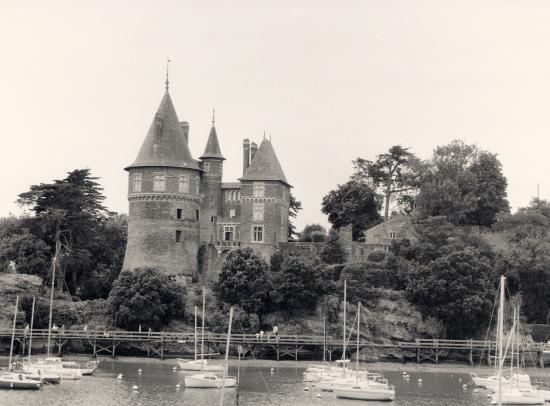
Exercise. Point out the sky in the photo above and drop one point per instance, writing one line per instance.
(329, 81)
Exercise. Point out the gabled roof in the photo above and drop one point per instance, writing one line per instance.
(164, 144)
(265, 165)
(212, 149)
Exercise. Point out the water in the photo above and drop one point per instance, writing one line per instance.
(258, 387)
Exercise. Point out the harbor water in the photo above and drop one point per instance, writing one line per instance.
(259, 385)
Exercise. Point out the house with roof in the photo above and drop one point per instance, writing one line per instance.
(380, 237)
(183, 217)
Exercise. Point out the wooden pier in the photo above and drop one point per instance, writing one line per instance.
(106, 342)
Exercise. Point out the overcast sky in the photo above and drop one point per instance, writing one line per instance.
(80, 82)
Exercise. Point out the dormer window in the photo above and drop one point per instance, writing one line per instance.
(258, 190)
(159, 182)
(183, 185)
(136, 186)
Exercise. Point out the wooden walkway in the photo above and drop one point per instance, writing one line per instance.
(106, 342)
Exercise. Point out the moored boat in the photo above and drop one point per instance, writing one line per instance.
(209, 381)
(366, 392)
(13, 380)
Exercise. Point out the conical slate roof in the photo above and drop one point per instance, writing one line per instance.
(165, 143)
(212, 149)
(265, 165)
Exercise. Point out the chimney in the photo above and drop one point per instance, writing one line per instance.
(246, 154)
(185, 128)
(253, 149)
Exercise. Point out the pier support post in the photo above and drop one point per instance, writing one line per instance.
(162, 345)
(114, 348)
(417, 355)
(540, 358)
(277, 350)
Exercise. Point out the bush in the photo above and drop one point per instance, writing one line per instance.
(147, 297)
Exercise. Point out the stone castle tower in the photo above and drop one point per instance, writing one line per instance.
(178, 204)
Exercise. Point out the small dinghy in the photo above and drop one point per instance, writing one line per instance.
(12, 380)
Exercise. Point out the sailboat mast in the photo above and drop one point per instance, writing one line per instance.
(358, 335)
(500, 334)
(13, 331)
(32, 324)
(202, 327)
(54, 265)
(195, 333)
(226, 354)
(325, 339)
(344, 335)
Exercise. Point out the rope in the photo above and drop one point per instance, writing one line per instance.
(253, 356)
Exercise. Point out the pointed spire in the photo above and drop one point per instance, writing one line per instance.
(167, 82)
(212, 149)
(265, 165)
(165, 144)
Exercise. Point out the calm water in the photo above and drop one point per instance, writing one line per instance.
(258, 386)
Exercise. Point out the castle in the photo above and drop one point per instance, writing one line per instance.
(183, 219)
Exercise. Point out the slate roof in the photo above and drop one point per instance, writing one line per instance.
(164, 144)
(231, 185)
(212, 149)
(265, 165)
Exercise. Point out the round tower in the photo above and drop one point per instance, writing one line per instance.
(211, 186)
(164, 199)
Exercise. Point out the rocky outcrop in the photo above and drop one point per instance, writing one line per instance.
(11, 286)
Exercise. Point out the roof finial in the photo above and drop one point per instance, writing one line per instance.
(264, 134)
(213, 117)
(167, 82)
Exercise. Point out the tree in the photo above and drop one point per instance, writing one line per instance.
(455, 288)
(332, 252)
(28, 254)
(147, 297)
(298, 285)
(293, 208)
(75, 204)
(243, 281)
(354, 203)
(397, 172)
(313, 233)
(465, 185)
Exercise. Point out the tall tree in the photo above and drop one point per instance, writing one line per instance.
(465, 185)
(397, 172)
(75, 203)
(293, 208)
(313, 233)
(354, 203)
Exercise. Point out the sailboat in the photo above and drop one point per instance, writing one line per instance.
(14, 380)
(511, 394)
(212, 380)
(54, 364)
(199, 364)
(373, 387)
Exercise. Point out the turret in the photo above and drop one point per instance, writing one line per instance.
(246, 154)
(211, 186)
(163, 195)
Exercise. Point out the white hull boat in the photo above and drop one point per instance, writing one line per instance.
(55, 365)
(365, 392)
(517, 398)
(209, 381)
(87, 369)
(12, 380)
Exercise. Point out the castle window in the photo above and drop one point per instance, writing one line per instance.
(233, 195)
(137, 182)
(183, 185)
(258, 190)
(258, 212)
(198, 185)
(178, 235)
(159, 182)
(206, 167)
(228, 233)
(392, 236)
(258, 233)
(178, 214)
(238, 195)
(231, 213)
(212, 199)
(213, 219)
(197, 215)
